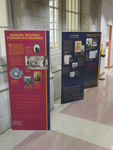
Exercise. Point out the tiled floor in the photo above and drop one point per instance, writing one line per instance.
(81, 125)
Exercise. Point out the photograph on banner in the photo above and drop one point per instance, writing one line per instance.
(37, 76)
(36, 62)
(72, 74)
(36, 48)
(16, 73)
(78, 46)
(70, 56)
(88, 43)
(28, 81)
(82, 48)
(66, 59)
(94, 43)
(74, 64)
(93, 54)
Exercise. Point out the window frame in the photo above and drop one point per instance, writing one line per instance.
(57, 29)
(3, 60)
(73, 12)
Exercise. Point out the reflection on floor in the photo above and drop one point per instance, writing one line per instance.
(81, 125)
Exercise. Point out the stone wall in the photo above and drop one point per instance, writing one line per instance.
(64, 15)
(31, 14)
(5, 23)
(55, 60)
(5, 115)
(89, 15)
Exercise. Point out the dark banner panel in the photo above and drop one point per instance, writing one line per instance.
(92, 64)
(73, 64)
(80, 64)
(28, 75)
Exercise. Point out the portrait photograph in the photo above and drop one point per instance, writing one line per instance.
(36, 48)
(78, 46)
(82, 48)
(37, 76)
(89, 43)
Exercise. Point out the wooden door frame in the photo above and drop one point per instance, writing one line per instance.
(109, 50)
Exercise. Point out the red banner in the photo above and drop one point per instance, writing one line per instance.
(28, 74)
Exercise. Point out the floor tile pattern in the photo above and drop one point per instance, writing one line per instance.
(53, 140)
(82, 125)
(97, 105)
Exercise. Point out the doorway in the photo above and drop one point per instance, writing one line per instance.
(108, 46)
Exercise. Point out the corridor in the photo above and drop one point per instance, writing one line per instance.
(82, 125)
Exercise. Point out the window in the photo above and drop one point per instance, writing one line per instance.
(72, 15)
(4, 25)
(72, 19)
(54, 23)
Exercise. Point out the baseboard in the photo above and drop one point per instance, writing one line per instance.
(108, 67)
(111, 66)
(101, 74)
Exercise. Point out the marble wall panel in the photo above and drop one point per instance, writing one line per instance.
(4, 96)
(57, 75)
(20, 22)
(3, 77)
(5, 123)
(51, 93)
(57, 84)
(4, 86)
(51, 103)
(89, 15)
(57, 94)
(19, 7)
(46, 11)
(4, 108)
(46, 23)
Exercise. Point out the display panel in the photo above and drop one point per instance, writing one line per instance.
(28, 76)
(80, 63)
(73, 64)
(92, 60)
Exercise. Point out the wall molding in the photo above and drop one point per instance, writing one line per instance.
(102, 74)
(111, 66)
(3, 68)
(108, 67)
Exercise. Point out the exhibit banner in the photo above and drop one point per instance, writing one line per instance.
(28, 76)
(73, 65)
(92, 59)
